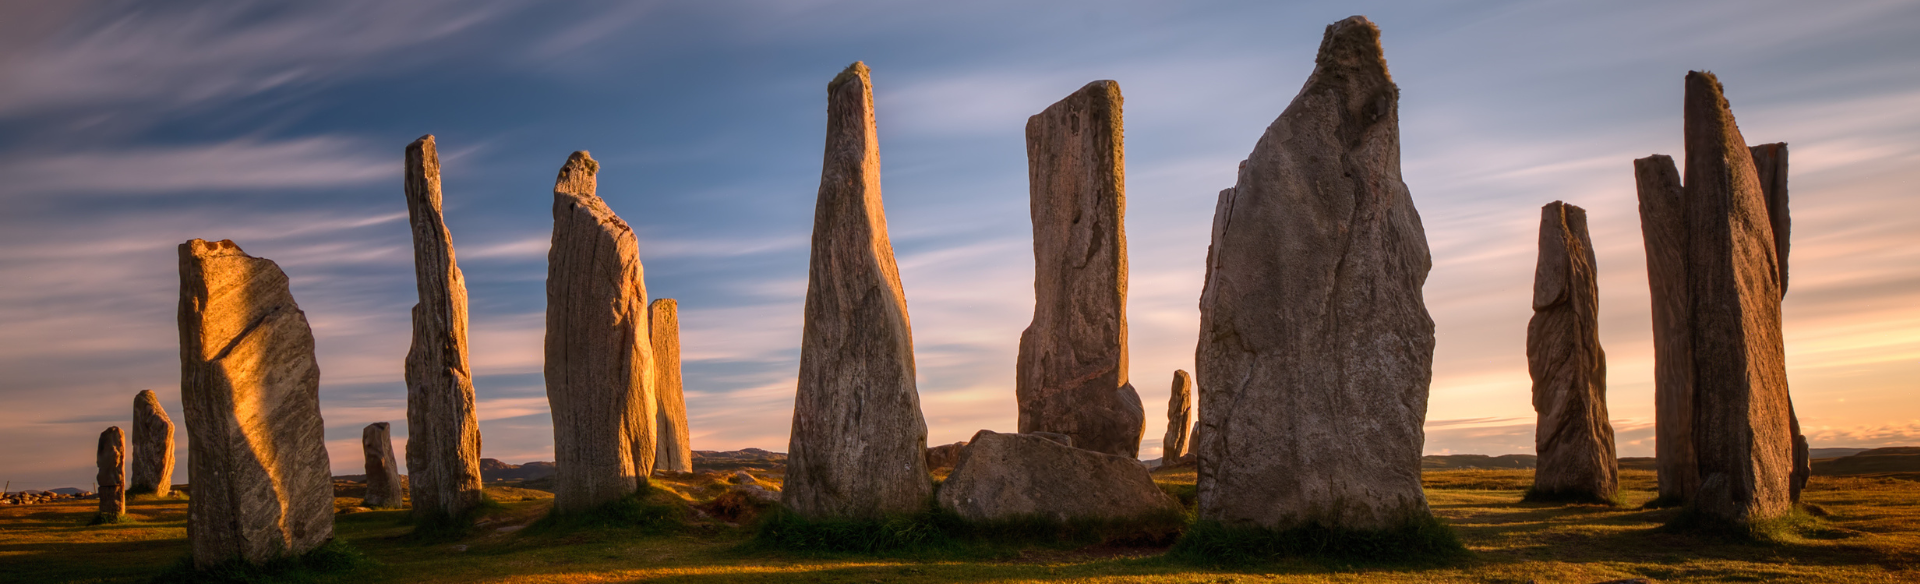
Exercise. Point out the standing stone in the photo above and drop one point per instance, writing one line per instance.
(111, 483)
(250, 388)
(599, 359)
(1573, 439)
(673, 445)
(1664, 232)
(443, 432)
(383, 474)
(859, 440)
(152, 451)
(1770, 164)
(1316, 348)
(1179, 417)
(1072, 370)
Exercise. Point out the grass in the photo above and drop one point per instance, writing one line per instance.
(1871, 535)
(1422, 540)
(334, 558)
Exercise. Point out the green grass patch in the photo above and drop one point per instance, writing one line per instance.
(333, 558)
(1535, 495)
(1796, 526)
(927, 531)
(1422, 540)
(650, 511)
(104, 519)
(438, 527)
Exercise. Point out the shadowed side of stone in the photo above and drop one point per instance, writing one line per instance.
(859, 442)
(1007, 476)
(250, 388)
(110, 485)
(1071, 375)
(599, 359)
(1663, 229)
(151, 449)
(673, 445)
(443, 429)
(383, 474)
(1179, 417)
(944, 455)
(1316, 347)
(1770, 166)
(1574, 440)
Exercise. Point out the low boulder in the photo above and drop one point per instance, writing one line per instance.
(1003, 476)
(944, 455)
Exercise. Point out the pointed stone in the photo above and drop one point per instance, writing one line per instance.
(673, 448)
(383, 474)
(250, 391)
(111, 483)
(1179, 417)
(151, 448)
(1663, 229)
(859, 441)
(599, 365)
(443, 431)
(1574, 440)
(1071, 377)
(1770, 165)
(1742, 435)
(1312, 322)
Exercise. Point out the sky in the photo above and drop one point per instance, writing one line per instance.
(127, 128)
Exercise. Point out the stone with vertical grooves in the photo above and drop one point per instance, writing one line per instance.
(1770, 165)
(1663, 231)
(249, 389)
(151, 448)
(859, 442)
(1573, 438)
(673, 448)
(443, 430)
(1316, 348)
(599, 365)
(110, 485)
(1071, 376)
(1179, 417)
(383, 472)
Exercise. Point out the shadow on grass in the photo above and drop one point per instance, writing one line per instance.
(1425, 541)
(940, 534)
(333, 558)
(440, 527)
(648, 512)
(1535, 495)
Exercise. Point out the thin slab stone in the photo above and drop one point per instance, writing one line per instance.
(110, 485)
(1663, 230)
(383, 474)
(673, 449)
(152, 447)
(1770, 165)
(1573, 439)
(443, 429)
(1179, 417)
(859, 442)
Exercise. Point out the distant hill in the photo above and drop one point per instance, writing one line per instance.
(1819, 453)
(1902, 459)
(1476, 461)
(494, 470)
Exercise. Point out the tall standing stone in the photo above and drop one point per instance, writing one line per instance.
(443, 432)
(1072, 371)
(1770, 165)
(383, 473)
(1316, 348)
(673, 448)
(1663, 230)
(1574, 440)
(1179, 417)
(152, 447)
(250, 388)
(599, 366)
(859, 440)
(111, 482)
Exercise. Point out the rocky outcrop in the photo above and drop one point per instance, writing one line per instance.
(110, 485)
(944, 455)
(383, 474)
(443, 431)
(599, 367)
(859, 442)
(152, 447)
(1574, 440)
(1179, 417)
(673, 445)
(1312, 323)
(1007, 476)
(1071, 377)
(250, 390)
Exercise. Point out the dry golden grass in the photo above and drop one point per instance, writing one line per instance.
(1872, 535)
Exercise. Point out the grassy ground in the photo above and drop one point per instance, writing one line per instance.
(1872, 534)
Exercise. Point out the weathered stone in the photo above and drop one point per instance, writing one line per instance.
(945, 455)
(599, 365)
(1770, 165)
(1179, 417)
(1312, 323)
(250, 389)
(1003, 476)
(1071, 376)
(859, 442)
(1663, 231)
(383, 473)
(1574, 440)
(111, 482)
(152, 447)
(443, 431)
(673, 445)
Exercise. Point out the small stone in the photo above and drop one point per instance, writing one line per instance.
(742, 478)
(383, 475)
(1004, 476)
(1179, 417)
(151, 449)
(1573, 439)
(673, 444)
(944, 456)
(111, 457)
(443, 430)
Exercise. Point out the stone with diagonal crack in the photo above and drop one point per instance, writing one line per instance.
(1573, 438)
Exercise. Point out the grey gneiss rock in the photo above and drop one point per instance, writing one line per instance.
(443, 431)
(1003, 476)
(1071, 376)
(383, 475)
(1179, 417)
(250, 388)
(152, 447)
(673, 448)
(599, 365)
(1316, 348)
(111, 482)
(859, 442)
(1574, 441)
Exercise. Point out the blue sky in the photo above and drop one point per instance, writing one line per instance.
(126, 128)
